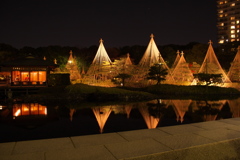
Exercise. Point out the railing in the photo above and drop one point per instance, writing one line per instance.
(28, 83)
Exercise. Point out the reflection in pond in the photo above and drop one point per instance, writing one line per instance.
(28, 109)
(102, 114)
(60, 121)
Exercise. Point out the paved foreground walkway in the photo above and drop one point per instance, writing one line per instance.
(198, 141)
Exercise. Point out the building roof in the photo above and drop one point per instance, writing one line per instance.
(29, 61)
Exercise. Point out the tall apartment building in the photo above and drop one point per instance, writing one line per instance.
(228, 21)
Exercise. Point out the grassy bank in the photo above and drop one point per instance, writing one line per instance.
(82, 92)
(193, 92)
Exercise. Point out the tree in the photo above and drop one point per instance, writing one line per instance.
(158, 73)
(120, 78)
(209, 79)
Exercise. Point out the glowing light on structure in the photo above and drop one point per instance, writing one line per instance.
(17, 113)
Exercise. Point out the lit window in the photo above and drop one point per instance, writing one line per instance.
(232, 22)
(225, 1)
(232, 27)
(232, 31)
(237, 31)
(220, 15)
(237, 22)
(232, 40)
(221, 11)
(232, 18)
(221, 41)
(233, 36)
(233, 4)
(220, 2)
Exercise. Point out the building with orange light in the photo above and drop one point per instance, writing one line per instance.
(228, 21)
(28, 71)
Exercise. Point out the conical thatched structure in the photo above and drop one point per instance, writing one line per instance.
(182, 73)
(234, 70)
(152, 56)
(211, 64)
(176, 60)
(72, 67)
(99, 72)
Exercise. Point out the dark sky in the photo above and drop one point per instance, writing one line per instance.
(39, 23)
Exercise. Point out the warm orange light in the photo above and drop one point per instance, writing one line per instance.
(17, 112)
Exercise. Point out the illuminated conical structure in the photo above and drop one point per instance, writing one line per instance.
(234, 70)
(153, 56)
(102, 114)
(72, 67)
(176, 60)
(182, 73)
(99, 70)
(211, 64)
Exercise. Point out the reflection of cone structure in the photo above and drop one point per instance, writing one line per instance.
(214, 105)
(72, 111)
(234, 105)
(181, 107)
(128, 109)
(102, 114)
(151, 121)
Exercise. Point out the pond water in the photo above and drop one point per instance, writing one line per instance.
(29, 121)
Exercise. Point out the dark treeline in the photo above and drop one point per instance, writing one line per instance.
(193, 52)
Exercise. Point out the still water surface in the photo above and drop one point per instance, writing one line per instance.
(29, 121)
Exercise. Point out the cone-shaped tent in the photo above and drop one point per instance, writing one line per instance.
(211, 64)
(182, 73)
(100, 58)
(234, 70)
(72, 67)
(102, 114)
(101, 55)
(176, 60)
(99, 70)
(151, 57)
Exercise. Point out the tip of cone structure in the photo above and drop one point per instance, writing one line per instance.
(151, 35)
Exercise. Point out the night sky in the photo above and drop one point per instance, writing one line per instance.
(39, 23)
